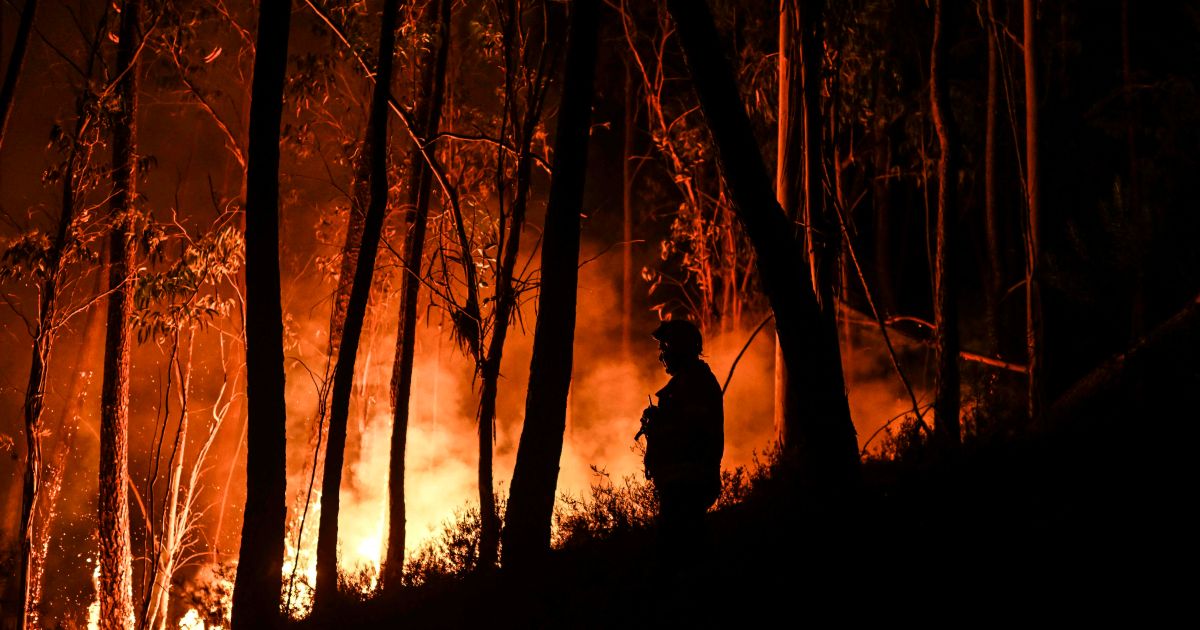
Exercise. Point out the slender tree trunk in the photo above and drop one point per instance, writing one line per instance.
(505, 293)
(995, 272)
(360, 293)
(945, 311)
(820, 236)
(256, 592)
(429, 109)
(789, 169)
(116, 580)
(357, 219)
(627, 175)
(823, 442)
(16, 60)
(43, 342)
(531, 500)
(1033, 306)
(506, 304)
(819, 239)
(66, 429)
(175, 517)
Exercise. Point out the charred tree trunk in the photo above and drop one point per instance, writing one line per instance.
(531, 500)
(994, 286)
(945, 311)
(823, 442)
(16, 60)
(116, 580)
(360, 293)
(789, 168)
(429, 110)
(260, 558)
(1033, 301)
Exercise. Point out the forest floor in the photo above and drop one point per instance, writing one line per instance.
(1083, 522)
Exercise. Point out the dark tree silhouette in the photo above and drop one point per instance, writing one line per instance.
(360, 293)
(116, 579)
(420, 181)
(1033, 297)
(945, 311)
(823, 440)
(16, 61)
(535, 476)
(260, 557)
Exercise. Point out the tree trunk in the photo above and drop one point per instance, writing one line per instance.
(360, 293)
(823, 442)
(1033, 306)
(8, 91)
(429, 109)
(175, 512)
(357, 219)
(505, 293)
(945, 311)
(506, 304)
(35, 391)
(66, 429)
(535, 476)
(256, 592)
(994, 286)
(789, 167)
(116, 581)
(819, 237)
(43, 342)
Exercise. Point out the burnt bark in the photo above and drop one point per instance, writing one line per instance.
(360, 293)
(16, 61)
(429, 112)
(531, 500)
(260, 557)
(822, 440)
(945, 311)
(115, 560)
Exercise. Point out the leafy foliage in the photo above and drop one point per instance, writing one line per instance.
(170, 300)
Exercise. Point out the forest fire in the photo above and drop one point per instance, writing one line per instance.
(313, 309)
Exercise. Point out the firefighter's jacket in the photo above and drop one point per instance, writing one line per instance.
(685, 435)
